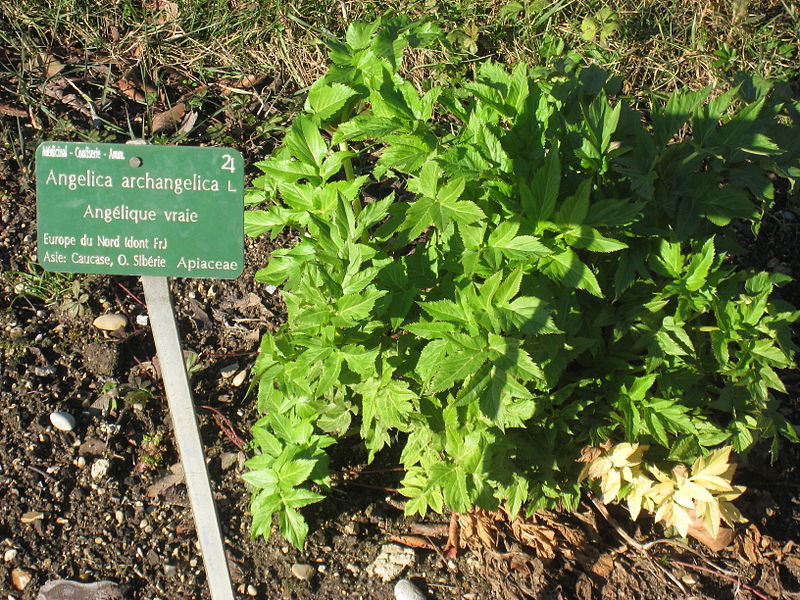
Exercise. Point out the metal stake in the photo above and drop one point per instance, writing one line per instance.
(181, 408)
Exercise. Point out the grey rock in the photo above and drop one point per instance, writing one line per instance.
(302, 571)
(62, 589)
(63, 421)
(406, 590)
(100, 468)
(391, 561)
(110, 322)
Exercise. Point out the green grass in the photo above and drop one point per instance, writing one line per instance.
(198, 50)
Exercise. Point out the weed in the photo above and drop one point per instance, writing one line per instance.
(151, 451)
(76, 303)
(38, 283)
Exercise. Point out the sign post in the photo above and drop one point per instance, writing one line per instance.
(153, 211)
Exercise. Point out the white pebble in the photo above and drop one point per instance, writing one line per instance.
(142, 320)
(271, 289)
(110, 322)
(405, 590)
(63, 421)
(9, 555)
(229, 370)
(100, 468)
(239, 379)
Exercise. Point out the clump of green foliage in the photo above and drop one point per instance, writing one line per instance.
(502, 273)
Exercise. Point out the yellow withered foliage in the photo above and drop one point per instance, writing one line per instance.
(674, 498)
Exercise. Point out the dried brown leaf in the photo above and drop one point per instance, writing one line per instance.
(168, 119)
(131, 90)
(49, 64)
(188, 122)
(538, 537)
(429, 529)
(487, 533)
(412, 541)
(698, 531)
(603, 566)
(167, 12)
(10, 111)
(589, 453)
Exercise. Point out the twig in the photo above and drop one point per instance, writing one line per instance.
(632, 542)
(611, 521)
(735, 580)
(691, 550)
(131, 294)
(43, 474)
(227, 427)
(370, 487)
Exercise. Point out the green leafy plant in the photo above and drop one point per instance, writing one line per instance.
(498, 274)
(76, 303)
(603, 25)
(151, 452)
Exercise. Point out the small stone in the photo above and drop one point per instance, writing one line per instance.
(406, 590)
(229, 371)
(142, 320)
(170, 571)
(100, 468)
(251, 590)
(62, 420)
(61, 589)
(110, 322)
(44, 371)
(239, 379)
(9, 555)
(31, 516)
(228, 459)
(20, 579)
(391, 561)
(80, 462)
(302, 571)
(271, 289)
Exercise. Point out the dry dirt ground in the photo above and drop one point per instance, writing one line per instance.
(106, 501)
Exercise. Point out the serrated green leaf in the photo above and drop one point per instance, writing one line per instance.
(697, 273)
(294, 472)
(445, 310)
(405, 153)
(767, 350)
(293, 527)
(324, 101)
(305, 142)
(362, 127)
(265, 479)
(509, 288)
(575, 208)
(567, 269)
(455, 368)
(592, 240)
(430, 357)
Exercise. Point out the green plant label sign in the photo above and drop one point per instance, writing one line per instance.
(128, 209)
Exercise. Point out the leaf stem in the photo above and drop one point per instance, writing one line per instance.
(735, 580)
